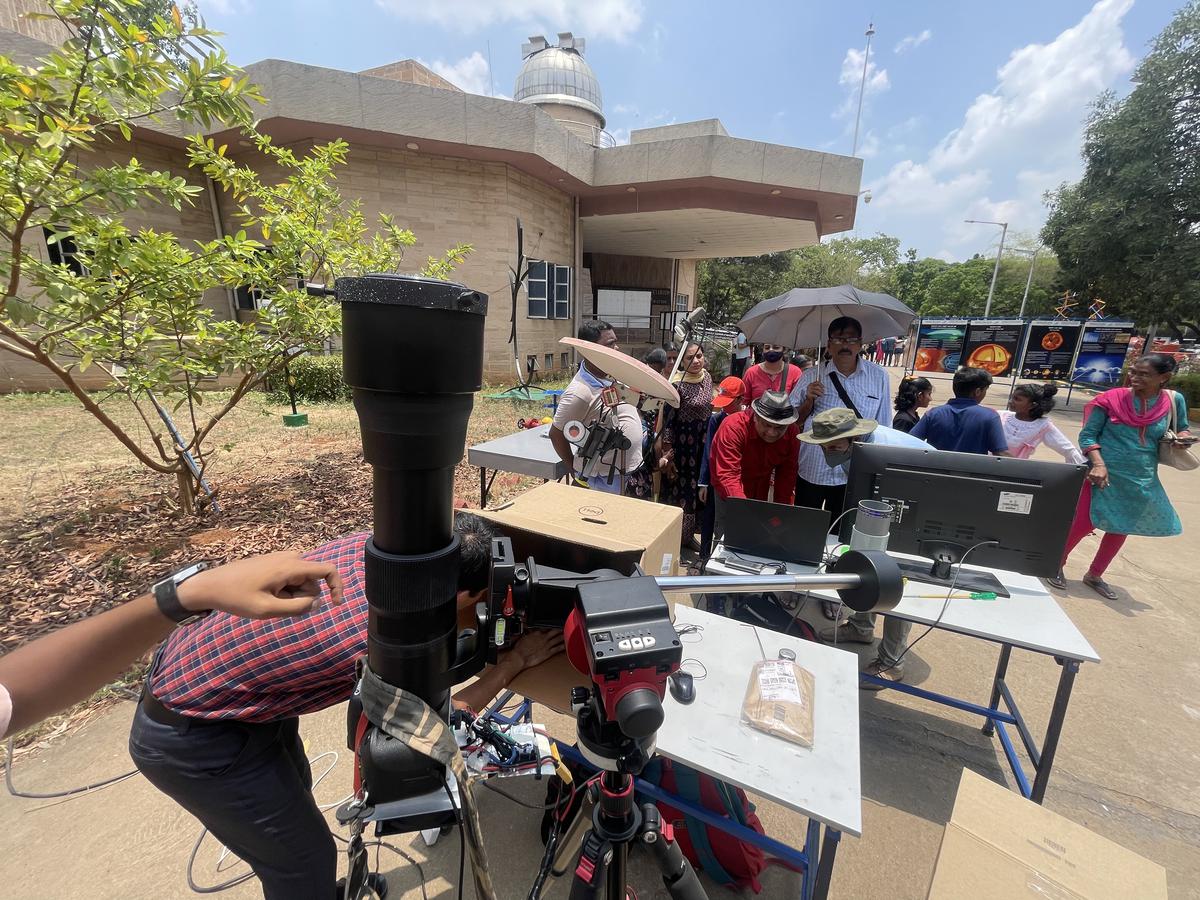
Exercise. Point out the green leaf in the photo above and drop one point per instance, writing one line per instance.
(85, 362)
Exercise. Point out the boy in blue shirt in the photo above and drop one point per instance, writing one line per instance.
(963, 424)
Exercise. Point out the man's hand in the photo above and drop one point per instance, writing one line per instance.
(534, 648)
(262, 587)
(815, 390)
(702, 493)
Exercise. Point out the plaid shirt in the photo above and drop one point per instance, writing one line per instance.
(225, 667)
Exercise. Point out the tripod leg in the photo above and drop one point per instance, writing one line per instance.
(678, 875)
(591, 873)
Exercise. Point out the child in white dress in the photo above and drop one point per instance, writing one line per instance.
(1025, 425)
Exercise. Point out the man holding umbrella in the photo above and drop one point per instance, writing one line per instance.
(846, 380)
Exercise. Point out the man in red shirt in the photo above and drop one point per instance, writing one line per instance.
(218, 729)
(754, 449)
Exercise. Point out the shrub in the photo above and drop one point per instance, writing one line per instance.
(1189, 385)
(317, 379)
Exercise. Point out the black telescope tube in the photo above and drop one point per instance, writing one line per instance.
(413, 355)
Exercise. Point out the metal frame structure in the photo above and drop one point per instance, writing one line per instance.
(997, 719)
(818, 849)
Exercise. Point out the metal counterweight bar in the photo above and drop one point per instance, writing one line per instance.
(744, 584)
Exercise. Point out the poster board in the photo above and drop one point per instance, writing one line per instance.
(939, 344)
(1102, 352)
(1050, 348)
(993, 345)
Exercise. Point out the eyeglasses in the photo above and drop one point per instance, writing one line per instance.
(845, 340)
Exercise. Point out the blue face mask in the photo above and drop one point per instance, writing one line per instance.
(773, 355)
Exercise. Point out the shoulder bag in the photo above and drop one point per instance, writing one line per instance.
(1177, 456)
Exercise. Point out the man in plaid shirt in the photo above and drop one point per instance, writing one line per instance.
(218, 726)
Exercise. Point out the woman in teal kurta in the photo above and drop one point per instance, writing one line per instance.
(1123, 494)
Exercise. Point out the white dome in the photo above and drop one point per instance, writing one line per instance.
(557, 75)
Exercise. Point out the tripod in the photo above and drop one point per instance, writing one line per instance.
(617, 820)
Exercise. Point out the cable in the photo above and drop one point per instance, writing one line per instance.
(942, 612)
(54, 795)
(505, 794)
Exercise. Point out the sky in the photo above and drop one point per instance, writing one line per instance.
(971, 110)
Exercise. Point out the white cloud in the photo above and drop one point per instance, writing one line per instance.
(613, 19)
(912, 41)
(851, 79)
(470, 73)
(1015, 141)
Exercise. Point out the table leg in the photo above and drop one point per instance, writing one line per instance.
(1058, 713)
(825, 864)
(1001, 671)
(482, 488)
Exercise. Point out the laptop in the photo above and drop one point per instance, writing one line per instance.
(794, 534)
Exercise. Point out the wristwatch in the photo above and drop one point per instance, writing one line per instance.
(166, 596)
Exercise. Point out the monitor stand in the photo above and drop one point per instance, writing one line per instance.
(941, 571)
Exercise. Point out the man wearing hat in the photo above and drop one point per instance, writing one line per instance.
(729, 399)
(753, 450)
(835, 432)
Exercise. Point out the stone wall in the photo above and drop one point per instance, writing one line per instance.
(12, 17)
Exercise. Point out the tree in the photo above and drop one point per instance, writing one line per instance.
(728, 286)
(131, 301)
(1129, 229)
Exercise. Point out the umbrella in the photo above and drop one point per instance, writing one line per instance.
(801, 317)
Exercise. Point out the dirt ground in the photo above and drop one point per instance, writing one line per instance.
(1127, 764)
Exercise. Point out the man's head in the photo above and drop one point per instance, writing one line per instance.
(729, 395)
(971, 384)
(475, 567)
(597, 331)
(656, 359)
(773, 416)
(835, 431)
(845, 340)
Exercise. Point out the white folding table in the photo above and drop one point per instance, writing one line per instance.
(527, 452)
(1030, 620)
(821, 782)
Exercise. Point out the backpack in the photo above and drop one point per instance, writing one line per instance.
(724, 858)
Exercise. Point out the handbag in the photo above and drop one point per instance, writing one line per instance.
(1177, 456)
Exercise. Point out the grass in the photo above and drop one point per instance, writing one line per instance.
(48, 442)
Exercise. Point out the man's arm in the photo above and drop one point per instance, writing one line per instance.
(533, 649)
(571, 405)
(563, 448)
(804, 395)
(726, 462)
(51, 673)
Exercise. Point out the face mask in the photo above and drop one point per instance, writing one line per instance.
(837, 459)
(773, 355)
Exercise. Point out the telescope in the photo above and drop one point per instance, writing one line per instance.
(413, 402)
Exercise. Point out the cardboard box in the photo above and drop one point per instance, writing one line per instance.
(1000, 846)
(571, 528)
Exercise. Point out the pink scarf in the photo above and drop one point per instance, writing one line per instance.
(1118, 403)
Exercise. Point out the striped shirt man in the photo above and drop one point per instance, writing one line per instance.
(868, 388)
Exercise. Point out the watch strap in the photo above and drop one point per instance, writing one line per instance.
(166, 597)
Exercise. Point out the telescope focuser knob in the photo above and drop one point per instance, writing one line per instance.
(579, 698)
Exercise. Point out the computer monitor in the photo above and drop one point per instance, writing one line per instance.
(943, 504)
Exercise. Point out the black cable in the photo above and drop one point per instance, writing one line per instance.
(505, 794)
(942, 612)
(54, 795)
(462, 839)
(408, 859)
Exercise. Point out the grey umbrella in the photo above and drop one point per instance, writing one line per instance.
(801, 317)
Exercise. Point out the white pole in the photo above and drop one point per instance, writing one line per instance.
(862, 88)
(987, 310)
(1028, 282)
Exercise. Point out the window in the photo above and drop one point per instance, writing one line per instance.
(248, 298)
(566, 360)
(549, 290)
(681, 303)
(64, 252)
(562, 292)
(549, 361)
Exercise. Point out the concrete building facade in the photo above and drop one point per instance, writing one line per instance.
(614, 231)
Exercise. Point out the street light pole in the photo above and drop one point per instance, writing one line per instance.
(1029, 280)
(987, 310)
(862, 88)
